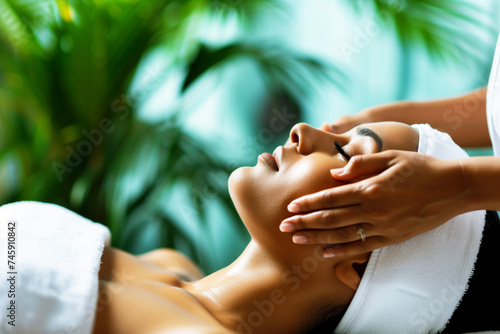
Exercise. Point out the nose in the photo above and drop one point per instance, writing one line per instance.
(307, 138)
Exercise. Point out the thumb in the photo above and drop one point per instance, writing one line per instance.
(326, 127)
(345, 123)
(362, 166)
(341, 127)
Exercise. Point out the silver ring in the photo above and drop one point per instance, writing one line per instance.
(361, 232)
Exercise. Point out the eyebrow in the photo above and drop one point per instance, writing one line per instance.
(369, 133)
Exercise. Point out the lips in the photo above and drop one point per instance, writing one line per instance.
(269, 160)
(273, 161)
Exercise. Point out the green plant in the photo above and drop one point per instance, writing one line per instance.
(69, 127)
(445, 29)
(69, 131)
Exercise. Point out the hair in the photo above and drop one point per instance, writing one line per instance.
(325, 319)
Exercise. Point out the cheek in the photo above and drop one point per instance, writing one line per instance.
(311, 175)
(259, 193)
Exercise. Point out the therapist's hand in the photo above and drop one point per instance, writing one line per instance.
(397, 195)
(398, 111)
(345, 123)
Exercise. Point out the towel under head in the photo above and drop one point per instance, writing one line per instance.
(56, 265)
(415, 286)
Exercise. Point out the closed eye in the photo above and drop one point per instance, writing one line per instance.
(341, 150)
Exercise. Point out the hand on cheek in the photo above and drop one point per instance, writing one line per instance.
(409, 194)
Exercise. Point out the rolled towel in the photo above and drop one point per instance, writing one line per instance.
(415, 286)
(54, 270)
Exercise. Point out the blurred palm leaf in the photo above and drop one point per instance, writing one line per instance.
(138, 186)
(248, 11)
(294, 73)
(70, 133)
(69, 129)
(437, 25)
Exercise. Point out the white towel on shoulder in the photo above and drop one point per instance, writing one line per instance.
(57, 260)
(415, 286)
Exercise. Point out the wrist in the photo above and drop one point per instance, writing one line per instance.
(466, 198)
(482, 180)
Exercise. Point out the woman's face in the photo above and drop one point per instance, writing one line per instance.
(261, 193)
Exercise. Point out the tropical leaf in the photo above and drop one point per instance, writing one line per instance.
(438, 26)
(280, 66)
(69, 128)
(247, 11)
(153, 160)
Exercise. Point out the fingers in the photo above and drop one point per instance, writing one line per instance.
(341, 196)
(340, 128)
(324, 219)
(364, 165)
(344, 241)
(328, 237)
(326, 127)
(344, 124)
(356, 247)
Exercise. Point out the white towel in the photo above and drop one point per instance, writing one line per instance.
(57, 259)
(415, 286)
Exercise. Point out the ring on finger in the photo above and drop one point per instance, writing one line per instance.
(361, 232)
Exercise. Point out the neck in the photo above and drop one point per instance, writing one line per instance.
(258, 293)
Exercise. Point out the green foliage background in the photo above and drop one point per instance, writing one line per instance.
(69, 129)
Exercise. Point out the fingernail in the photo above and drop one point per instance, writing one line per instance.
(337, 171)
(293, 207)
(299, 239)
(286, 227)
(328, 254)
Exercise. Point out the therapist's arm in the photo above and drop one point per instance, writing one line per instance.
(463, 117)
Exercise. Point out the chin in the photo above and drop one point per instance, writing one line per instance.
(236, 181)
(256, 199)
(261, 206)
(238, 185)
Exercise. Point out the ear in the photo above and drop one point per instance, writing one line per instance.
(350, 270)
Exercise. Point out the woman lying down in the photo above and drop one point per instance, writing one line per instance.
(70, 281)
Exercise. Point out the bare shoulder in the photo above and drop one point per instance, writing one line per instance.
(170, 259)
(133, 309)
(143, 294)
(162, 265)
